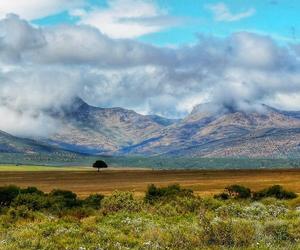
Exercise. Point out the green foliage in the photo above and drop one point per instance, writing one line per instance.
(275, 191)
(32, 201)
(120, 201)
(63, 199)
(31, 190)
(238, 191)
(8, 194)
(176, 219)
(154, 193)
(93, 201)
(222, 196)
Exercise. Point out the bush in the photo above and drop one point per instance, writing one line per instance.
(31, 190)
(275, 191)
(154, 193)
(93, 201)
(238, 191)
(120, 201)
(21, 212)
(278, 230)
(8, 194)
(32, 201)
(222, 196)
(63, 199)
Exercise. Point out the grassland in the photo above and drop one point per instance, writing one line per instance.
(84, 180)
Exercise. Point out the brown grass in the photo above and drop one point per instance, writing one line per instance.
(203, 182)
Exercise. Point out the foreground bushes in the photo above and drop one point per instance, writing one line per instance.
(166, 218)
(241, 192)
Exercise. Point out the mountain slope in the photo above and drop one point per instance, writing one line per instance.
(12, 144)
(213, 131)
(103, 130)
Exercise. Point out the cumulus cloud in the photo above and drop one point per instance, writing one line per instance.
(34, 9)
(127, 18)
(45, 68)
(222, 12)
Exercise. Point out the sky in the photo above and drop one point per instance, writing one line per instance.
(155, 57)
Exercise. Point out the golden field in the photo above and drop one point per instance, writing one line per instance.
(85, 181)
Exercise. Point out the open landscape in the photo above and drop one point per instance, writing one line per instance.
(85, 180)
(149, 125)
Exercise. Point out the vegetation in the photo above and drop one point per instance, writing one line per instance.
(99, 164)
(157, 162)
(241, 192)
(166, 218)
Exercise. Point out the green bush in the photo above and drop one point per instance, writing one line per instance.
(93, 201)
(31, 190)
(278, 230)
(275, 191)
(222, 196)
(63, 199)
(32, 201)
(21, 212)
(154, 193)
(8, 194)
(120, 201)
(238, 191)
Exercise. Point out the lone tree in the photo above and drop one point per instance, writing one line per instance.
(99, 164)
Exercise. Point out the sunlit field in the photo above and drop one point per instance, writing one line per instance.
(86, 180)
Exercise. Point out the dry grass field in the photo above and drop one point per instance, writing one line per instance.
(204, 182)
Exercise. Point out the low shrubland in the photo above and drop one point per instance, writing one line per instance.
(165, 218)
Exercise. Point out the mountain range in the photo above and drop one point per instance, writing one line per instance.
(210, 130)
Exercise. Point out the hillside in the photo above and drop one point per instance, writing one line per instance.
(12, 144)
(103, 130)
(210, 130)
(213, 131)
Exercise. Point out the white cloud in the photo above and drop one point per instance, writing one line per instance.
(127, 18)
(34, 9)
(44, 68)
(222, 12)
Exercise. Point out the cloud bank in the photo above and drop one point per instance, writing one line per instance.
(45, 68)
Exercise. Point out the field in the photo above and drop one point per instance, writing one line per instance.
(85, 181)
(163, 216)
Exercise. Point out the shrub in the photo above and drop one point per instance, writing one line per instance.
(243, 232)
(32, 201)
(93, 201)
(154, 193)
(120, 201)
(278, 230)
(8, 194)
(220, 232)
(238, 191)
(31, 190)
(222, 196)
(275, 191)
(63, 199)
(21, 212)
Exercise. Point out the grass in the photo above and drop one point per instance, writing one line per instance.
(173, 219)
(84, 181)
(24, 168)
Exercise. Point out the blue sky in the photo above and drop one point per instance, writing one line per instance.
(277, 18)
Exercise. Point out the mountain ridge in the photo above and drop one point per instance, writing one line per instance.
(210, 130)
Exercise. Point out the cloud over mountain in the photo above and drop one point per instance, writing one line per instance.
(42, 68)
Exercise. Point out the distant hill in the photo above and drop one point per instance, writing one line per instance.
(96, 130)
(12, 144)
(210, 130)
